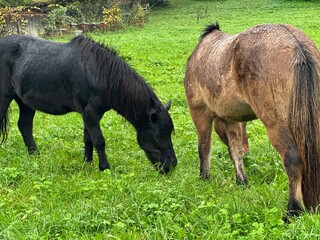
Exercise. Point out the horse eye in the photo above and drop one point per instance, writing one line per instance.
(154, 117)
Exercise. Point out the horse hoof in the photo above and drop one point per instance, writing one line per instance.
(288, 218)
(103, 167)
(33, 151)
(243, 182)
(88, 160)
(204, 176)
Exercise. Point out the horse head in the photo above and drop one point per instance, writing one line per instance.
(154, 137)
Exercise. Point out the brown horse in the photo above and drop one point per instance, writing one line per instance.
(270, 72)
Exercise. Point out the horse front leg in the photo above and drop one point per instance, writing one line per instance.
(25, 125)
(88, 146)
(232, 135)
(92, 126)
(203, 123)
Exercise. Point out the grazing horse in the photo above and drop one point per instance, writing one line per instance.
(268, 72)
(85, 77)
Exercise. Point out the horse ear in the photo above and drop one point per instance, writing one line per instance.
(168, 105)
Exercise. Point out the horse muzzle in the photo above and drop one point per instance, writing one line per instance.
(163, 162)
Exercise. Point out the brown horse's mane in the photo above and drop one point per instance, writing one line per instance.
(209, 29)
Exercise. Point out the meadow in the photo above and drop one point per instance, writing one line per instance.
(55, 195)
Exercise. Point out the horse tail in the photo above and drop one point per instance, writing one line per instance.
(304, 122)
(4, 127)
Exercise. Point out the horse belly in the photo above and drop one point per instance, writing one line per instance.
(43, 92)
(56, 104)
(230, 105)
(234, 111)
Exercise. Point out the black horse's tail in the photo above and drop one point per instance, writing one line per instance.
(4, 127)
(304, 121)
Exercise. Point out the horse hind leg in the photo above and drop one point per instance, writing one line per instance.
(88, 146)
(245, 143)
(25, 124)
(220, 130)
(283, 142)
(232, 134)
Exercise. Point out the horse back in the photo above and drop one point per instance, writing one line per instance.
(29, 55)
(45, 75)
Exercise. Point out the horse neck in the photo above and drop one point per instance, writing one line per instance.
(131, 97)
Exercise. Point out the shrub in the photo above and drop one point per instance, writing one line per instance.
(62, 18)
(139, 16)
(11, 21)
(91, 9)
(112, 17)
(115, 18)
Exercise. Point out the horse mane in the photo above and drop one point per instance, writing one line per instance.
(127, 91)
(209, 29)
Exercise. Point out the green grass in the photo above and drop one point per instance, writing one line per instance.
(57, 196)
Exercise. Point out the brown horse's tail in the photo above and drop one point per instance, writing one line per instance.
(304, 122)
(4, 127)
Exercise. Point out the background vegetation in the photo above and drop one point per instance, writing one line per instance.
(57, 196)
(89, 3)
(57, 17)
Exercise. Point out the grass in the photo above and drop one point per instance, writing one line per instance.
(57, 196)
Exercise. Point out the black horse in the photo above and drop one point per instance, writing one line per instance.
(85, 77)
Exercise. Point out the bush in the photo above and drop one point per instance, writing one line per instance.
(115, 18)
(11, 21)
(112, 17)
(91, 9)
(139, 16)
(12, 3)
(62, 18)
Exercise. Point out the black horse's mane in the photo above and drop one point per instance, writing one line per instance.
(128, 93)
(210, 28)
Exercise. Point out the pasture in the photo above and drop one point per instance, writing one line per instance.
(55, 195)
